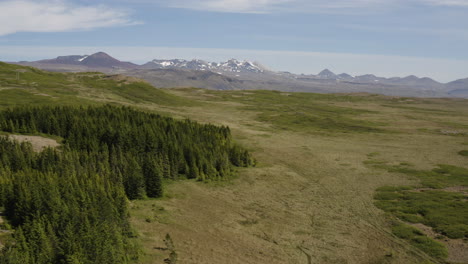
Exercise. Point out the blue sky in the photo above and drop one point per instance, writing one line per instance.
(384, 37)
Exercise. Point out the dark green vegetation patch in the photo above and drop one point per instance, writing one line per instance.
(446, 211)
(421, 241)
(438, 178)
(306, 111)
(463, 153)
(70, 205)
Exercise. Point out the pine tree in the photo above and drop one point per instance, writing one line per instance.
(153, 177)
(134, 182)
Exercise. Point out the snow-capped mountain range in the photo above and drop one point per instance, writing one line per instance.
(103, 60)
(234, 74)
(232, 66)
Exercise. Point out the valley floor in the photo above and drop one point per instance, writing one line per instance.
(310, 199)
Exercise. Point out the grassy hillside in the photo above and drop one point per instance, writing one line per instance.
(324, 163)
(21, 85)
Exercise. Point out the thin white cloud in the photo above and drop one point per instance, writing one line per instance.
(459, 3)
(272, 6)
(57, 16)
(437, 32)
(230, 6)
(303, 6)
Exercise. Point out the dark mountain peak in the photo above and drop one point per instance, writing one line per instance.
(102, 59)
(459, 88)
(461, 84)
(100, 54)
(459, 81)
(327, 74)
(428, 80)
(410, 78)
(413, 80)
(99, 58)
(345, 76)
(368, 76)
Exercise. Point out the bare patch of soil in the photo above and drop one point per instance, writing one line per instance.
(2, 231)
(38, 143)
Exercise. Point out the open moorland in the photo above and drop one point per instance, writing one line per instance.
(339, 178)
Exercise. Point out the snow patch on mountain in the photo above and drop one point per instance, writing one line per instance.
(231, 65)
(83, 58)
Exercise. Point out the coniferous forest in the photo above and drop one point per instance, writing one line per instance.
(70, 205)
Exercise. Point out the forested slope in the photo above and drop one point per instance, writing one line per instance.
(70, 205)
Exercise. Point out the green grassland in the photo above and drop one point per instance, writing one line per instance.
(40, 87)
(340, 178)
(306, 112)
